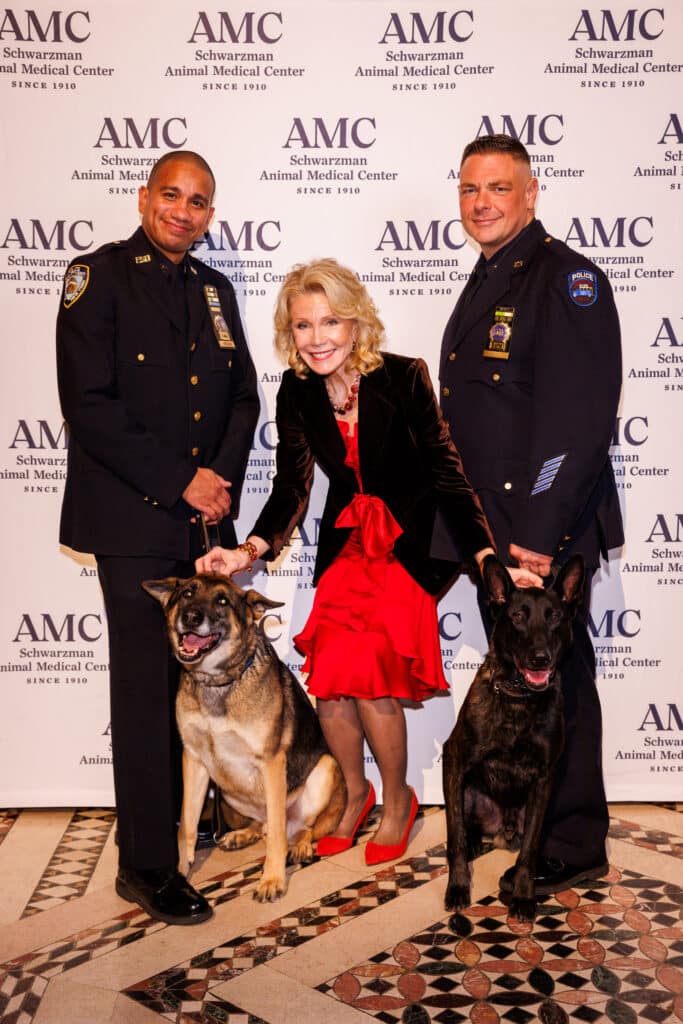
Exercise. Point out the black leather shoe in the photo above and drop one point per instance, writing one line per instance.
(164, 893)
(555, 875)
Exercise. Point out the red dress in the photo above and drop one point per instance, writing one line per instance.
(372, 631)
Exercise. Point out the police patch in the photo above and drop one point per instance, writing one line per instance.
(583, 287)
(75, 282)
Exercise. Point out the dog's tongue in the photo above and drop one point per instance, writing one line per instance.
(192, 642)
(536, 678)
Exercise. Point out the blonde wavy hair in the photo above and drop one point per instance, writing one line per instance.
(348, 299)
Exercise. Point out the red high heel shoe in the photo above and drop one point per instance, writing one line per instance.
(336, 844)
(377, 853)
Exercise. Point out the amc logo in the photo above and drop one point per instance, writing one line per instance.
(623, 232)
(39, 436)
(666, 334)
(412, 28)
(602, 27)
(662, 721)
(406, 236)
(450, 624)
(49, 26)
(151, 134)
(251, 235)
(631, 431)
(673, 132)
(265, 438)
(340, 134)
(616, 623)
(544, 128)
(667, 529)
(58, 235)
(43, 628)
(253, 28)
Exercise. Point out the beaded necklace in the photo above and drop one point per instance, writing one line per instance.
(351, 398)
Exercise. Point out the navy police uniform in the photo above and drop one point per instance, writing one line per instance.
(149, 395)
(530, 377)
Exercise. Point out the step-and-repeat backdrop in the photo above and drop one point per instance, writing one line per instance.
(335, 129)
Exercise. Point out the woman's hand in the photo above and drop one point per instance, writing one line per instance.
(524, 577)
(224, 560)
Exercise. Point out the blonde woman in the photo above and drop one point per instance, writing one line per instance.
(372, 424)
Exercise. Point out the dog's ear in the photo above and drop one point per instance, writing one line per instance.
(497, 580)
(571, 580)
(162, 589)
(260, 604)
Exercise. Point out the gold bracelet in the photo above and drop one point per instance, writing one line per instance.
(250, 550)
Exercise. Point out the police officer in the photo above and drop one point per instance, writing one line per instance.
(530, 378)
(159, 394)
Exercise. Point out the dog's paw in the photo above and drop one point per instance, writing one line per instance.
(270, 889)
(522, 909)
(301, 852)
(457, 897)
(240, 838)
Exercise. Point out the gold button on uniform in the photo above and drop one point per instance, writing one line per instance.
(507, 485)
(194, 379)
(193, 346)
(195, 451)
(495, 377)
(141, 357)
(445, 392)
(229, 363)
(196, 416)
(452, 357)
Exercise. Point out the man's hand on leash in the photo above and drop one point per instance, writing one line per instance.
(207, 492)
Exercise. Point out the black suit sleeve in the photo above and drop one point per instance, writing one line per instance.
(577, 379)
(96, 415)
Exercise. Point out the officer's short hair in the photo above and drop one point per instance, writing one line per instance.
(496, 144)
(187, 155)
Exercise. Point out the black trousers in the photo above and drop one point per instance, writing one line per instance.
(143, 683)
(577, 819)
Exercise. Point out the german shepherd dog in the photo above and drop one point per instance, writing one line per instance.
(499, 761)
(246, 723)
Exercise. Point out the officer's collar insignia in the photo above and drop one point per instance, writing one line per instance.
(193, 270)
(75, 282)
(548, 239)
(498, 346)
(583, 287)
(220, 327)
(518, 264)
(143, 259)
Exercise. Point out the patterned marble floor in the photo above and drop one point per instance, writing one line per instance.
(347, 943)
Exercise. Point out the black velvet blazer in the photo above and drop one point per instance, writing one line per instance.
(407, 459)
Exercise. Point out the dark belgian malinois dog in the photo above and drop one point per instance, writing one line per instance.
(499, 761)
(246, 723)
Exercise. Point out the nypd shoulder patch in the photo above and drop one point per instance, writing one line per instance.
(583, 287)
(75, 282)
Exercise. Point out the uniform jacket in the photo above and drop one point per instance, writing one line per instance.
(534, 430)
(406, 457)
(147, 400)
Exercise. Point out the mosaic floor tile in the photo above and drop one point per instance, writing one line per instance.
(258, 946)
(648, 839)
(612, 952)
(67, 875)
